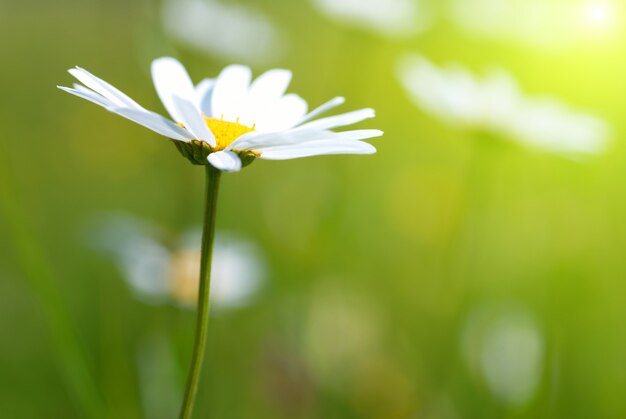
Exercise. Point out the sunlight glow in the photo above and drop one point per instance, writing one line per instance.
(599, 14)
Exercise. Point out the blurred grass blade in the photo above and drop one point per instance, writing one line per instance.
(37, 271)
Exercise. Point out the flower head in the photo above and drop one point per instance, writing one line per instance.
(390, 18)
(230, 120)
(238, 270)
(495, 103)
(160, 273)
(223, 29)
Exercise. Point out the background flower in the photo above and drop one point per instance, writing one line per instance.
(392, 18)
(495, 103)
(159, 274)
(232, 31)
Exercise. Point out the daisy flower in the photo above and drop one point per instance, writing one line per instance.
(159, 273)
(224, 124)
(497, 104)
(231, 31)
(390, 18)
(231, 120)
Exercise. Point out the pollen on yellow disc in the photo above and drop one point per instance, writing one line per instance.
(226, 132)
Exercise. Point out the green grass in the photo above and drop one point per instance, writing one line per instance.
(399, 248)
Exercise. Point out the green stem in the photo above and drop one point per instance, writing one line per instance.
(202, 320)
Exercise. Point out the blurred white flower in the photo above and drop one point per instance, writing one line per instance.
(232, 120)
(551, 125)
(159, 275)
(393, 18)
(234, 32)
(141, 258)
(237, 270)
(495, 103)
(506, 348)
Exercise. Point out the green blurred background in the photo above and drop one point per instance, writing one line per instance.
(448, 276)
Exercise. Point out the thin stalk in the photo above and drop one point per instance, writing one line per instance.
(202, 320)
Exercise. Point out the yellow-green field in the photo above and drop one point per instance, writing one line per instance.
(466, 270)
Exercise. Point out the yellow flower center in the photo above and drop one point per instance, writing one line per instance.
(226, 132)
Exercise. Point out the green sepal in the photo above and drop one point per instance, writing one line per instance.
(197, 152)
(247, 157)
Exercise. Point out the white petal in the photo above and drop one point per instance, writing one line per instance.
(270, 85)
(171, 79)
(259, 141)
(340, 120)
(333, 103)
(191, 117)
(359, 134)
(155, 122)
(317, 148)
(204, 92)
(105, 89)
(81, 88)
(279, 115)
(88, 95)
(225, 160)
(230, 93)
